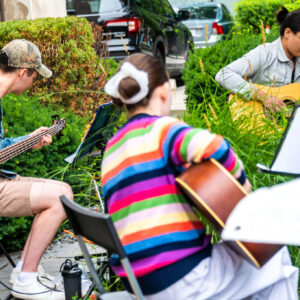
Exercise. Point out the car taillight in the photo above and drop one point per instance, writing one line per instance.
(218, 29)
(133, 24)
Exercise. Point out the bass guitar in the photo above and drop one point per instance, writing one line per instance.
(215, 192)
(15, 149)
(255, 112)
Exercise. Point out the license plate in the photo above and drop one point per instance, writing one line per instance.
(196, 32)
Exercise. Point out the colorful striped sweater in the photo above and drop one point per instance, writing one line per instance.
(161, 234)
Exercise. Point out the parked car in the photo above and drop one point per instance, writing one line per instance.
(148, 26)
(208, 22)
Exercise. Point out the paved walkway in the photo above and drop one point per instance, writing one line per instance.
(178, 104)
(53, 258)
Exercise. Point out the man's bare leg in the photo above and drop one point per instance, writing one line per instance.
(50, 215)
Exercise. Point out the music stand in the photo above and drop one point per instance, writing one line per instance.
(100, 130)
(287, 159)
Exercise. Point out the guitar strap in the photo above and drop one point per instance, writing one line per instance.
(293, 76)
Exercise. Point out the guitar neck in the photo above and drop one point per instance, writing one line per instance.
(15, 149)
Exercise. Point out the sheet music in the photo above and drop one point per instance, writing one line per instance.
(288, 158)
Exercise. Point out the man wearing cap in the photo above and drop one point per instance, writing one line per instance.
(20, 63)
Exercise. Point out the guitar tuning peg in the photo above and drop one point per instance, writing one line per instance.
(54, 118)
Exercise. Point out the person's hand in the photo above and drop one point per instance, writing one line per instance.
(247, 186)
(46, 140)
(273, 103)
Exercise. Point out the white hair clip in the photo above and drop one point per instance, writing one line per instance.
(128, 70)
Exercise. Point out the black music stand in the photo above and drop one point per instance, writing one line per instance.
(100, 130)
(287, 159)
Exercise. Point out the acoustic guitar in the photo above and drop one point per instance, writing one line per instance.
(255, 111)
(215, 192)
(14, 150)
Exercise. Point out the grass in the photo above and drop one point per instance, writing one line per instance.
(253, 142)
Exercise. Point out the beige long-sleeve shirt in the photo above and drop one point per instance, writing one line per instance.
(266, 64)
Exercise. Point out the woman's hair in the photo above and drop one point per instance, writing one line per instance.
(288, 19)
(128, 87)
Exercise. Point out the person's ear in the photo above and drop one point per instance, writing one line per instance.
(165, 90)
(22, 72)
(287, 32)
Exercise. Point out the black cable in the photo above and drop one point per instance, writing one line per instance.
(50, 289)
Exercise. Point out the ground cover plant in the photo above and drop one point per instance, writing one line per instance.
(250, 13)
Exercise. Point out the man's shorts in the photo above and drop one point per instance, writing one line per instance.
(15, 196)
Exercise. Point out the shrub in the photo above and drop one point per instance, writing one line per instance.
(22, 115)
(67, 46)
(252, 12)
(203, 64)
(19, 120)
(293, 5)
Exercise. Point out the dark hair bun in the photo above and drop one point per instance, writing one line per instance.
(281, 15)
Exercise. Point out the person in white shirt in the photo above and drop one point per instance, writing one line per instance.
(276, 63)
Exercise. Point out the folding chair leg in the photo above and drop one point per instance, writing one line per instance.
(132, 279)
(90, 265)
(7, 255)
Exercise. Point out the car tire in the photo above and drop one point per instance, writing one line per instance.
(159, 56)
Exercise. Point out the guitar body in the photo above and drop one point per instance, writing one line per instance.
(215, 192)
(254, 110)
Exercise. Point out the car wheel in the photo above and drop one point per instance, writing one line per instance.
(159, 56)
(187, 52)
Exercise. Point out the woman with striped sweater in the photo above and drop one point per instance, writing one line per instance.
(170, 253)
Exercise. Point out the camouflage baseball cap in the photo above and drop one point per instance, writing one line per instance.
(24, 54)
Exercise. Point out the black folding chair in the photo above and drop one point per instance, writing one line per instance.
(100, 130)
(98, 228)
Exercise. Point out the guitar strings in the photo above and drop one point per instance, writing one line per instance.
(17, 148)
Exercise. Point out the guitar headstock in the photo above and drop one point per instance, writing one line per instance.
(61, 123)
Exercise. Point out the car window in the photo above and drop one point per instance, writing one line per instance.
(145, 4)
(168, 9)
(157, 7)
(208, 12)
(225, 13)
(82, 7)
(112, 5)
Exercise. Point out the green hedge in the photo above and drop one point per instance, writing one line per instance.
(22, 115)
(251, 12)
(293, 5)
(67, 45)
(200, 84)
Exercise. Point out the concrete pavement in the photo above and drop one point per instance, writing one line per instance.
(53, 258)
(178, 106)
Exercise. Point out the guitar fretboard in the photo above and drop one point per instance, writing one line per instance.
(15, 149)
